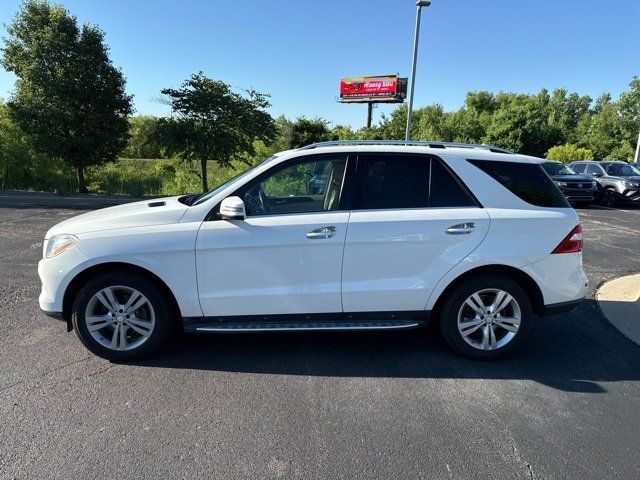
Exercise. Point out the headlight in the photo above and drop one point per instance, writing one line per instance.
(560, 184)
(631, 184)
(58, 244)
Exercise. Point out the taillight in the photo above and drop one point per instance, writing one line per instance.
(572, 243)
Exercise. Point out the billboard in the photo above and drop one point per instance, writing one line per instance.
(375, 88)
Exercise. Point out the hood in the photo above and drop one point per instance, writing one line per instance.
(160, 211)
(572, 178)
(635, 178)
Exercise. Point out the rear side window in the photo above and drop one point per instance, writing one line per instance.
(593, 168)
(445, 190)
(408, 181)
(578, 167)
(526, 180)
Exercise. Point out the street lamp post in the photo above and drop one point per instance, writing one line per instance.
(419, 5)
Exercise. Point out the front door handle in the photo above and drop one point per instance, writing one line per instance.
(461, 228)
(323, 232)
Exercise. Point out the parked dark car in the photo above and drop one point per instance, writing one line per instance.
(619, 181)
(579, 189)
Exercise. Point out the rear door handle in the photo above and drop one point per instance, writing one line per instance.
(461, 228)
(323, 232)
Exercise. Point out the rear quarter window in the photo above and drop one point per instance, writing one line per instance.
(528, 181)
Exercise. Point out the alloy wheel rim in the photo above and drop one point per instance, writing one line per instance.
(489, 319)
(119, 318)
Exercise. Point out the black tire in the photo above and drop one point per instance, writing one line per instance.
(448, 316)
(609, 197)
(163, 314)
(582, 204)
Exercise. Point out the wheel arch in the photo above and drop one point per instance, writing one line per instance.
(528, 284)
(113, 267)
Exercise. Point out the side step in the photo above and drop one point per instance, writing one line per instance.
(308, 326)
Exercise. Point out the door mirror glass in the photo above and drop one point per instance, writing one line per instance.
(232, 208)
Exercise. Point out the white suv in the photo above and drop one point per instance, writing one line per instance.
(334, 236)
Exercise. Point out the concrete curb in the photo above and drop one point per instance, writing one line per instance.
(619, 300)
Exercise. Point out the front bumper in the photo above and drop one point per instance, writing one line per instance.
(630, 195)
(580, 194)
(55, 274)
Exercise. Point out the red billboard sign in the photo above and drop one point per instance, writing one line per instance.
(378, 88)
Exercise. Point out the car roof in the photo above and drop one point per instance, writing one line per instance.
(469, 152)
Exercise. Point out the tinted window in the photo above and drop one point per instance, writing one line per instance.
(593, 168)
(526, 180)
(394, 181)
(408, 181)
(553, 168)
(303, 186)
(445, 189)
(578, 167)
(621, 170)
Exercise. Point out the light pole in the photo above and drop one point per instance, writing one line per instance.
(419, 5)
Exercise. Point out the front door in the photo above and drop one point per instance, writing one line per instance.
(412, 222)
(286, 256)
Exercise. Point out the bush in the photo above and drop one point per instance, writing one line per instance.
(568, 153)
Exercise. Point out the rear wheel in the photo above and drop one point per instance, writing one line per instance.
(487, 317)
(121, 317)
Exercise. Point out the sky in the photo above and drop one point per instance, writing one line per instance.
(297, 51)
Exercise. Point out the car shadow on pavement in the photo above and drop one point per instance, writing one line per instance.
(574, 352)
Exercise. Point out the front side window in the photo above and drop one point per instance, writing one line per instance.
(526, 180)
(621, 170)
(311, 185)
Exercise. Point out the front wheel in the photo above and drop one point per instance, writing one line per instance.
(609, 198)
(121, 316)
(486, 317)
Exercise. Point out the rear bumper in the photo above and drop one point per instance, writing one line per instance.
(562, 307)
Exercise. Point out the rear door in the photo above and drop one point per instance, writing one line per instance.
(412, 221)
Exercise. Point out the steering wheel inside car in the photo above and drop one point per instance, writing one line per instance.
(256, 201)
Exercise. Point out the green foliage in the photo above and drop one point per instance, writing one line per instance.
(69, 98)
(303, 131)
(213, 123)
(143, 138)
(568, 153)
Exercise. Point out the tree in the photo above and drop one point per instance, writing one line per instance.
(629, 109)
(213, 123)
(69, 98)
(568, 153)
(143, 142)
(305, 132)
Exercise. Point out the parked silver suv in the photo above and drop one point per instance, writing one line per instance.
(619, 181)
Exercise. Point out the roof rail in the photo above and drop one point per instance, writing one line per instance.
(418, 143)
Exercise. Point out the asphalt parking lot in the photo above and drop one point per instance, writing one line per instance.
(378, 405)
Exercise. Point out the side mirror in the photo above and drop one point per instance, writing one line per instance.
(597, 174)
(232, 208)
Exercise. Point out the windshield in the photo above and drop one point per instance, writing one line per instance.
(621, 170)
(553, 168)
(230, 182)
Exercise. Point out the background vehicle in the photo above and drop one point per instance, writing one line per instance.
(619, 181)
(578, 189)
(476, 237)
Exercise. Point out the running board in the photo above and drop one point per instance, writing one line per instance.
(308, 326)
